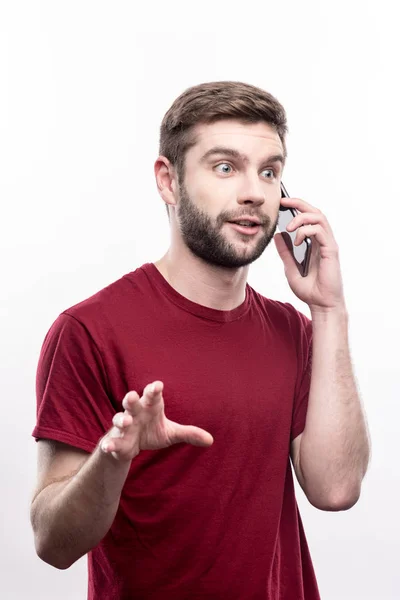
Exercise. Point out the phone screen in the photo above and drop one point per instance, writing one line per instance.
(300, 253)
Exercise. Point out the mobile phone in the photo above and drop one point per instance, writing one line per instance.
(302, 253)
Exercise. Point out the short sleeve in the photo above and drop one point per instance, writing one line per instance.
(304, 360)
(73, 405)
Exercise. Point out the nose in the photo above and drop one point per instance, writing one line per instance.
(251, 192)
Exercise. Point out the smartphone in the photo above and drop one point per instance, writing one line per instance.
(302, 253)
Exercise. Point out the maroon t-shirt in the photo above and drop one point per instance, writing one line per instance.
(193, 523)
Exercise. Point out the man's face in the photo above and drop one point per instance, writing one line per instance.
(220, 187)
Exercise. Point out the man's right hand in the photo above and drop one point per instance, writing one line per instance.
(144, 426)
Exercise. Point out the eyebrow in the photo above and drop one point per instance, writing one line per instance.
(238, 155)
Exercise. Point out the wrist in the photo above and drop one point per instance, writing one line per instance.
(324, 314)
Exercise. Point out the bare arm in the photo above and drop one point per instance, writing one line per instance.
(71, 513)
(335, 446)
(78, 493)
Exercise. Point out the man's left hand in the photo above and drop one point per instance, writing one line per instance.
(322, 289)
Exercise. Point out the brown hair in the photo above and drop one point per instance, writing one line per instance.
(215, 101)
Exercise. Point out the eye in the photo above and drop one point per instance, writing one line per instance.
(224, 165)
(226, 169)
(271, 171)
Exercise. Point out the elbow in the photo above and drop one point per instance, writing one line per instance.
(51, 557)
(335, 502)
(53, 562)
(49, 553)
(44, 536)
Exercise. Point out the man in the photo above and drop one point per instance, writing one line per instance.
(172, 402)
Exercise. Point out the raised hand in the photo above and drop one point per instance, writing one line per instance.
(144, 426)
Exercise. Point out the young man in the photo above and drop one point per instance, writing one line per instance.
(172, 402)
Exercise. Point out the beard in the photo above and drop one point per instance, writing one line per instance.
(208, 240)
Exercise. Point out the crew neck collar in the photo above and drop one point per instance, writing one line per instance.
(199, 310)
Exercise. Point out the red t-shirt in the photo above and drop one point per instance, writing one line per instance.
(193, 523)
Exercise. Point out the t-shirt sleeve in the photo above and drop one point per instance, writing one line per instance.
(73, 405)
(303, 381)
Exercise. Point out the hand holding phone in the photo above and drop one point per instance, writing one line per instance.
(302, 253)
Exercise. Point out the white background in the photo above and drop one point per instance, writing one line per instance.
(84, 87)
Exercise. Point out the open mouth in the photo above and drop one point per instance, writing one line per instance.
(250, 228)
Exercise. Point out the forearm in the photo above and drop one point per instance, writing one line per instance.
(334, 449)
(70, 518)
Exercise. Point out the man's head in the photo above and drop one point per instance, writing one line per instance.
(222, 151)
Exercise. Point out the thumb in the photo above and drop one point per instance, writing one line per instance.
(190, 434)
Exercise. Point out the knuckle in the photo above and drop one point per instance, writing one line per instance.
(116, 433)
(118, 420)
(129, 400)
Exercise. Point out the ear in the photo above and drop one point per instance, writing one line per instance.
(167, 180)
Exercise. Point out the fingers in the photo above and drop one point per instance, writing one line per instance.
(114, 446)
(110, 442)
(143, 426)
(126, 422)
(190, 434)
(131, 403)
(122, 420)
(152, 393)
(121, 437)
(121, 423)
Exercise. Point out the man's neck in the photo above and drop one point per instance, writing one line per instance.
(204, 284)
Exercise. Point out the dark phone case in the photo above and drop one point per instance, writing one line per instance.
(302, 253)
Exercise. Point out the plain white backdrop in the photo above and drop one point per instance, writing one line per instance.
(84, 87)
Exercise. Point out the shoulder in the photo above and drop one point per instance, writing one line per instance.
(101, 301)
(106, 307)
(282, 312)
